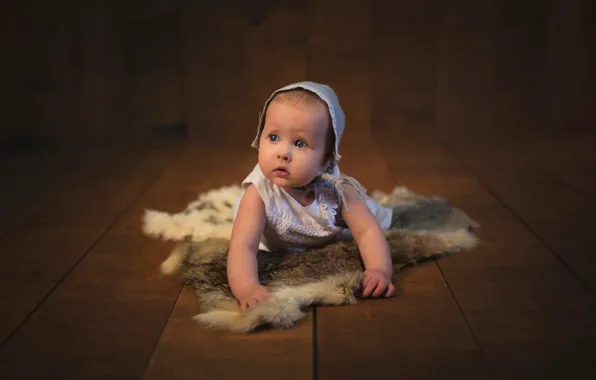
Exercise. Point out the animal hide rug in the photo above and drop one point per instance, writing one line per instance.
(429, 228)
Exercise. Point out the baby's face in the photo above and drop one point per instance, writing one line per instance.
(292, 143)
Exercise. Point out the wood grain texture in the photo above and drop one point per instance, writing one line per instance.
(405, 66)
(511, 290)
(54, 82)
(588, 61)
(418, 334)
(153, 44)
(109, 71)
(565, 69)
(103, 76)
(53, 171)
(551, 194)
(215, 69)
(41, 252)
(16, 117)
(95, 291)
(465, 67)
(521, 56)
(525, 309)
(186, 350)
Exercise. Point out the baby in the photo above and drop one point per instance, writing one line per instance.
(296, 199)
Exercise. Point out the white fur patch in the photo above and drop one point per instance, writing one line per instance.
(284, 307)
(193, 223)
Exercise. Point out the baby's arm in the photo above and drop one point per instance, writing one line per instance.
(242, 257)
(376, 279)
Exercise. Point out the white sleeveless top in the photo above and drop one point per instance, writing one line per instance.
(294, 227)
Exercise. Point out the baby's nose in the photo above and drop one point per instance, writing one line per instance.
(284, 154)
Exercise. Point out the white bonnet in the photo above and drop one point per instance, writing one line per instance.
(326, 94)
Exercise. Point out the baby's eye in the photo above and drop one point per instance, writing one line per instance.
(300, 143)
(273, 137)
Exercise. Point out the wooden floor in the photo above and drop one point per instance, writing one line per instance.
(81, 292)
(82, 297)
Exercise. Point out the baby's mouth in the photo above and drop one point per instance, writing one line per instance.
(281, 172)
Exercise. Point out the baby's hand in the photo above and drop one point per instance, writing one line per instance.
(376, 283)
(252, 295)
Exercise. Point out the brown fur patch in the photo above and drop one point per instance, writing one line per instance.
(204, 264)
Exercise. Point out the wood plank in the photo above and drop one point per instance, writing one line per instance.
(389, 336)
(588, 56)
(565, 67)
(152, 32)
(465, 66)
(522, 305)
(103, 318)
(418, 334)
(550, 194)
(521, 52)
(53, 171)
(18, 38)
(51, 243)
(525, 309)
(102, 67)
(405, 66)
(182, 350)
(54, 78)
(215, 73)
(186, 350)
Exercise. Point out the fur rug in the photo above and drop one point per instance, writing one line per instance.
(330, 275)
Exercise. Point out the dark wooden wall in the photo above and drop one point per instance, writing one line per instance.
(106, 72)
